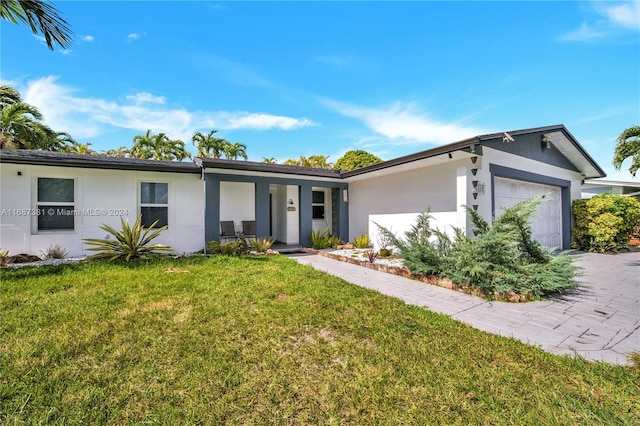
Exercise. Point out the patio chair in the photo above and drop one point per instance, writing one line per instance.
(228, 230)
(249, 228)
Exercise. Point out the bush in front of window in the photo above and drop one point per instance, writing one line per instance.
(132, 242)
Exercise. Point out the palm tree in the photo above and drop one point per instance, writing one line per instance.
(60, 141)
(9, 95)
(236, 150)
(628, 145)
(158, 147)
(269, 160)
(121, 152)
(41, 16)
(20, 127)
(80, 148)
(210, 146)
(320, 162)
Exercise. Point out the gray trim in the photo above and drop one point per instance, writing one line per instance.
(63, 159)
(262, 206)
(217, 163)
(530, 146)
(565, 193)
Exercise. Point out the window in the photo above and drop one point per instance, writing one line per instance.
(317, 204)
(56, 206)
(154, 203)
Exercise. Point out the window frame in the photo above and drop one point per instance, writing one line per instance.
(41, 207)
(142, 205)
(323, 204)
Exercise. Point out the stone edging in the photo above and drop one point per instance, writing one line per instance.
(509, 296)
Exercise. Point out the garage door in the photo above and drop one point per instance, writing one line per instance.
(547, 223)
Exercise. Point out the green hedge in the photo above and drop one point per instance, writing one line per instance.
(605, 222)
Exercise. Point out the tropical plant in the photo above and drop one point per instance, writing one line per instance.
(356, 159)
(79, 148)
(121, 152)
(42, 17)
(235, 150)
(261, 245)
(21, 125)
(55, 251)
(4, 257)
(320, 239)
(605, 222)
(269, 160)
(210, 146)
(131, 242)
(230, 248)
(313, 161)
(628, 146)
(362, 241)
(371, 256)
(158, 147)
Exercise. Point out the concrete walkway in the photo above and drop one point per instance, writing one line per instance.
(599, 321)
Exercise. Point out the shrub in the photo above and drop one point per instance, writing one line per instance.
(362, 241)
(371, 255)
(503, 256)
(132, 242)
(4, 257)
(261, 245)
(419, 253)
(320, 239)
(334, 240)
(230, 248)
(605, 222)
(54, 252)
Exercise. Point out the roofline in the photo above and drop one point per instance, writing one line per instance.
(96, 162)
(464, 145)
(218, 163)
(469, 143)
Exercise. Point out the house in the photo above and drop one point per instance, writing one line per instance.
(58, 198)
(594, 187)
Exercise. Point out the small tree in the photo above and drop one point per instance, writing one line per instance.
(356, 159)
(628, 146)
(605, 222)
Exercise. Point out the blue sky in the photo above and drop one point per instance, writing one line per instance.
(304, 78)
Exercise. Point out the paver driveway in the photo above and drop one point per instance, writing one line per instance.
(600, 320)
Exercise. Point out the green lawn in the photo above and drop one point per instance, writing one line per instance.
(269, 341)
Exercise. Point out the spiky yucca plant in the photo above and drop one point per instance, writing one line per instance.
(132, 242)
(261, 245)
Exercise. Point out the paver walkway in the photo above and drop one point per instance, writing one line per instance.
(599, 321)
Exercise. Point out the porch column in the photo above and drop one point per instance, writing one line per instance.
(306, 214)
(211, 208)
(343, 212)
(262, 208)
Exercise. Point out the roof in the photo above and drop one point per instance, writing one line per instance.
(218, 163)
(65, 159)
(563, 140)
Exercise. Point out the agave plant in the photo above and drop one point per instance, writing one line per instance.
(132, 242)
(261, 245)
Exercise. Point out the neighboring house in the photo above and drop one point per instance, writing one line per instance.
(594, 187)
(487, 173)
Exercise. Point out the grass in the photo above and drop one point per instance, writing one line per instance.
(245, 340)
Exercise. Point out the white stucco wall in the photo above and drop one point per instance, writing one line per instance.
(404, 195)
(237, 202)
(101, 197)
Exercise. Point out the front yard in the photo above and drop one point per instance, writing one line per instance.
(257, 340)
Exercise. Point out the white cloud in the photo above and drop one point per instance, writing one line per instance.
(402, 123)
(88, 38)
(626, 15)
(612, 19)
(144, 97)
(244, 120)
(84, 117)
(583, 33)
(133, 36)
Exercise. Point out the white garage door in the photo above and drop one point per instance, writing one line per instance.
(547, 223)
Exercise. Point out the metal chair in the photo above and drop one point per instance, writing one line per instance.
(228, 229)
(249, 228)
